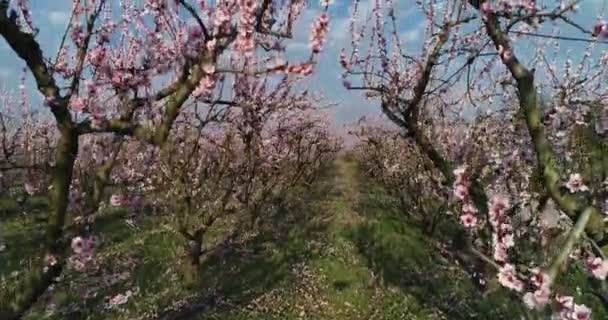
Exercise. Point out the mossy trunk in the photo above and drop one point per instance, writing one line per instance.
(36, 280)
(192, 261)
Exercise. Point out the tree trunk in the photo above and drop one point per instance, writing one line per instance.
(37, 279)
(192, 262)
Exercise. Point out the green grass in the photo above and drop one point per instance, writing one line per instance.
(338, 251)
(8, 207)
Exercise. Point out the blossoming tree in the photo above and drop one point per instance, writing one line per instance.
(131, 69)
(472, 62)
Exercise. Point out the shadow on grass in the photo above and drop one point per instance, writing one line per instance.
(22, 229)
(23, 239)
(403, 257)
(235, 273)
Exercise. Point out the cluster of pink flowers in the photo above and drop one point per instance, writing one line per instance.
(568, 310)
(194, 41)
(575, 183)
(302, 68)
(117, 200)
(509, 278)
(83, 249)
(49, 261)
(600, 29)
(78, 33)
(245, 39)
(205, 87)
(30, 189)
(221, 18)
(124, 79)
(502, 237)
(598, 268)
(508, 5)
(461, 191)
(540, 297)
(319, 32)
(343, 60)
(97, 56)
(195, 31)
(120, 299)
(78, 104)
(156, 5)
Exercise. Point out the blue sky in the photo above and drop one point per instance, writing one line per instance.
(51, 17)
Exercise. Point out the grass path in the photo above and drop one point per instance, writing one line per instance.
(340, 251)
(346, 287)
(333, 280)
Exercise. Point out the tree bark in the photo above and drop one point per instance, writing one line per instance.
(192, 259)
(38, 278)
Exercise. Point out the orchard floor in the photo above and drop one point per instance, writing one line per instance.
(339, 252)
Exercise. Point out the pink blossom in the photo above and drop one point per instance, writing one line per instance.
(460, 173)
(539, 278)
(304, 69)
(498, 206)
(468, 208)
(90, 86)
(564, 303)
(319, 32)
(195, 31)
(211, 44)
(575, 183)
(487, 7)
(581, 312)
(468, 220)
(116, 200)
(120, 299)
(461, 191)
(461, 184)
(507, 276)
(83, 252)
(507, 239)
(500, 252)
(598, 267)
(50, 260)
(29, 188)
(205, 87)
(97, 56)
(600, 29)
(536, 299)
(77, 245)
(78, 104)
(245, 39)
(540, 297)
(568, 310)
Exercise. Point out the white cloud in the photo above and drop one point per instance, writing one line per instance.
(58, 18)
(410, 36)
(5, 73)
(413, 35)
(339, 33)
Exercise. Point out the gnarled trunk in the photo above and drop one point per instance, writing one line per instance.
(192, 259)
(38, 278)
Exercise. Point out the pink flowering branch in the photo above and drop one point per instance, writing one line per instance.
(117, 70)
(83, 49)
(571, 204)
